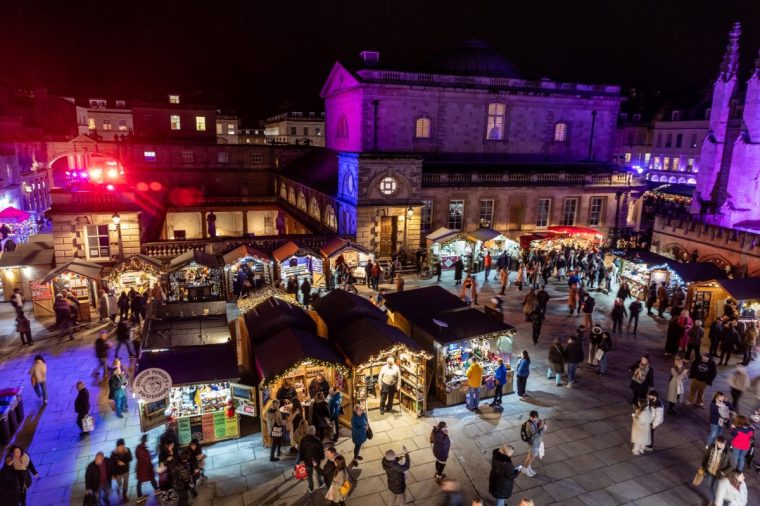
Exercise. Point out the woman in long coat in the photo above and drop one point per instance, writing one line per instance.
(673, 337)
(556, 362)
(678, 373)
(641, 435)
(503, 474)
(359, 426)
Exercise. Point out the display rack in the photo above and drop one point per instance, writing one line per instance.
(413, 388)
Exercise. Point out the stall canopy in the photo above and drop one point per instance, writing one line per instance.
(565, 229)
(13, 215)
(285, 251)
(193, 364)
(423, 301)
(466, 324)
(366, 338)
(244, 251)
(441, 234)
(186, 331)
(526, 239)
(84, 268)
(275, 315)
(291, 347)
(196, 256)
(137, 262)
(689, 273)
(335, 245)
(340, 308)
(483, 234)
(742, 289)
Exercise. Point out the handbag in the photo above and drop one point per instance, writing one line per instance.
(345, 489)
(300, 471)
(88, 423)
(599, 354)
(370, 435)
(276, 431)
(697, 481)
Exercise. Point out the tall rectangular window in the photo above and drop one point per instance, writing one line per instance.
(174, 99)
(107, 124)
(293, 131)
(306, 131)
(200, 123)
(187, 156)
(627, 158)
(693, 140)
(426, 222)
(91, 123)
(676, 162)
(123, 125)
(174, 122)
(647, 157)
(659, 140)
(569, 211)
(542, 212)
(98, 241)
(669, 140)
(495, 124)
(231, 130)
(656, 165)
(317, 131)
(486, 213)
(679, 140)
(596, 211)
(690, 164)
(219, 128)
(456, 214)
(666, 163)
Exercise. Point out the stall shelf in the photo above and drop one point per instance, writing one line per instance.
(247, 269)
(539, 240)
(448, 246)
(293, 260)
(79, 277)
(194, 276)
(337, 250)
(140, 272)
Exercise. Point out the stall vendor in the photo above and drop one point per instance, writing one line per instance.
(319, 384)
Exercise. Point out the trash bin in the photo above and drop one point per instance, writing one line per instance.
(19, 408)
(8, 404)
(5, 431)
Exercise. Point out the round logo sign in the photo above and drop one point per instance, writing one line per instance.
(152, 384)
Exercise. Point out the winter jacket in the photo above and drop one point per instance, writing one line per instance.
(703, 371)
(635, 307)
(658, 414)
(334, 405)
(741, 437)
(82, 402)
(441, 445)
(696, 334)
(523, 367)
(725, 464)
(359, 426)
(588, 305)
(320, 415)
(316, 386)
(557, 358)
(474, 375)
(574, 352)
(605, 344)
(328, 473)
(727, 494)
(715, 413)
(310, 449)
(120, 462)
(395, 470)
(92, 475)
(144, 467)
(502, 476)
(101, 348)
(501, 374)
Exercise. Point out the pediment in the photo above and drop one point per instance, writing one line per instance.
(338, 80)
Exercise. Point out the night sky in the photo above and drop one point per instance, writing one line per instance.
(253, 55)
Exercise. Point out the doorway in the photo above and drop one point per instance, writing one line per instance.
(388, 234)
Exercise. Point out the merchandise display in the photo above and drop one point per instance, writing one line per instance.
(202, 411)
(456, 358)
(137, 272)
(197, 399)
(449, 252)
(195, 283)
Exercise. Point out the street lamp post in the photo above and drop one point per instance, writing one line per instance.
(117, 223)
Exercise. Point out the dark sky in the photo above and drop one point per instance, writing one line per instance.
(255, 54)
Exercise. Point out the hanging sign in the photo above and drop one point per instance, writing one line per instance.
(152, 384)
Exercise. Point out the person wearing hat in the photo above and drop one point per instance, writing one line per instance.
(595, 340)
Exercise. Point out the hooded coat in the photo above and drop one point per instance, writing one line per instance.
(503, 474)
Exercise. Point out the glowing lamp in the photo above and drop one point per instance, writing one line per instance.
(409, 211)
(96, 173)
(110, 187)
(68, 173)
(112, 173)
(116, 219)
(83, 174)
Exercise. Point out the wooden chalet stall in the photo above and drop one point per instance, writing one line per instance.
(247, 270)
(337, 251)
(140, 272)
(82, 279)
(448, 246)
(293, 260)
(713, 295)
(24, 268)
(195, 276)
(494, 242)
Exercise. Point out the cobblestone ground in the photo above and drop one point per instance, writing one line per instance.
(588, 459)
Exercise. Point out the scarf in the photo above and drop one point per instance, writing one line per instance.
(21, 463)
(714, 461)
(640, 374)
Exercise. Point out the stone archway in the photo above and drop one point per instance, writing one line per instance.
(721, 262)
(675, 251)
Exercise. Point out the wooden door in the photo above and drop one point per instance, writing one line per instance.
(388, 233)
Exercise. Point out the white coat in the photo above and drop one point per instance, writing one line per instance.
(725, 493)
(640, 429)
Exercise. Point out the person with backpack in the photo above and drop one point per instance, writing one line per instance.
(742, 435)
(532, 432)
(502, 475)
(573, 357)
(439, 438)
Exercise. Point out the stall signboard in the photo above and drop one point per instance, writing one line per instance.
(40, 290)
(244, 398)
(130, 278)
(152, 384)
(659, 276)
(153, 414)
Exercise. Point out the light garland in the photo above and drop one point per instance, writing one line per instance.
(666, 267)
(458, 237)
(247, 304)
(305, 362)
(132, 264)
(395, 349)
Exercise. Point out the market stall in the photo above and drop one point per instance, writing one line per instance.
(488, 240)
(582, 236)
(544, 240)
(448, 246)
(275, 315)
(292, 260)
(194, 276)
(367, 344)
(453, 335)
(24, 267)
(246, 270)
(297, 357)
(140, 272)
(337, 251)
(80, 278)
(339, 308)
(710, 297)
(18, 225)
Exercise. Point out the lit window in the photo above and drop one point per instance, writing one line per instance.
(596, 211)
(301, 201)
(486, 213)
(257, 157)
(656, 163)
(568, 213)
(342, 131)
(666, 163)
(542, 212)
(174, 122)
(495, 124)
(174, 99)
(560, 132)
(107, 124)
(691, 180)
(676, 162)
(330, 219)
(627, 158)
(284, 192)
(219, 128)
(422, 128)
(149, 156)
(647, 156)
(187, 156)
(123, 125)
(291, 197)
(317, 131)
(388, 185)
(231, 130)
(690, 164)
(456, 214)
(121, 104)
(98, 241)
(314, 209)
(223, 157)
(200, 123)
(91, 123)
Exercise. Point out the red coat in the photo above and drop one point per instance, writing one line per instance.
(144, 467)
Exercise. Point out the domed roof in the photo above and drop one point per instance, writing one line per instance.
(472, 58)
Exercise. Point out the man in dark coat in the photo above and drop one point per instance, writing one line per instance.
(82, 404)
(458, 269)
(395, 469)
(310, 450)
(503, 473)
(543, 298)
(63, 317)
(574, 356)
(9, 494)
(97, 478)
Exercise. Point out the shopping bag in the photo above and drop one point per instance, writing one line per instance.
(697, 481)
(88, 423)
(599, 354)
(300, 471)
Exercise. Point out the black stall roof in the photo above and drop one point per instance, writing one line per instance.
(688, 272)
(423, 301)
(290, 347)
(742, 289)
(274, 315)
(182, 309)
(460, 325)
(196, 256)
(340, 308)
(193, 364)
(365, 338)
(186, 331)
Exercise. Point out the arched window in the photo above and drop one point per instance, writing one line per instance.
(682, 180)
(672, 179)
(691, 180)
(330, 219)
(422, 128)
(284, 191)
(292, 197)
(342, 131)
(301, 201)
(560, 132)
(314, 209)
(655, 178)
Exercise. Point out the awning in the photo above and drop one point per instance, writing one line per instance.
(466, 324)
(196, 256)
(336, 245)
(13, 215)
(340, 308)
(483, 234)
(689, 273)
(366, 338)
(562, 229)
(439, 234)
(742, 289)
(423, 301)
(244, 251)
(274, 315)
(289, 348)
(29, 254)
(526, 239)
(193, 364)
(288, 250)
(83, 268)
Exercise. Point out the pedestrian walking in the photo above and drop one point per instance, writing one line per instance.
(123, 329)
(121, 457)
(474, 375)
(328, 471)
(438, 269)
(182, 477)
(537, 317)
(532, 432)
(340, 483)
(574, 357)
(24, 469)
(701, 373)
(469, 292)
(101, 353)
(522, 371)
(117, 383)
(305, 291)
(24, 329)
(748, 343)
(618, 314)
(720, 415)
(144, 471)
(657, 410)
(635, 310)
(542, 297)
(603, 352)
(504, 280)
(38, 374)
(451, 491)
(395, 470)
(63, 318)
(662, 299)
(556, 362)
(320, 416)
(594, 340)
(694, 339)
(275, 426)
(9, 489)
(742, 437)
(716, 463)
(641, 435)
(103, 312)
(678, 372)
(17, 301)
(311, 452)
(389, 379)
(728, 341)
(439, 438)
(458, 269)
(500, 379)
(97, 478)
(651, 298)
(642, 379)
(739, 383)
(715, 333)
(588, 311)
(399, 283)
(731, 490)
(359, 430)
(487, 262)
(502, 475)
(82, 405)
(529, 304)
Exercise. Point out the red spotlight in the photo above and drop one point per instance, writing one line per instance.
(156, 186)
(142, 187)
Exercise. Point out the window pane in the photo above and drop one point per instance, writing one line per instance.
(568, 215)
(542, 212)
(456, 213)
(560, 132)
(595, 211)
(426, 224)
(486, 213)
(422, 128)
(495, 123)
